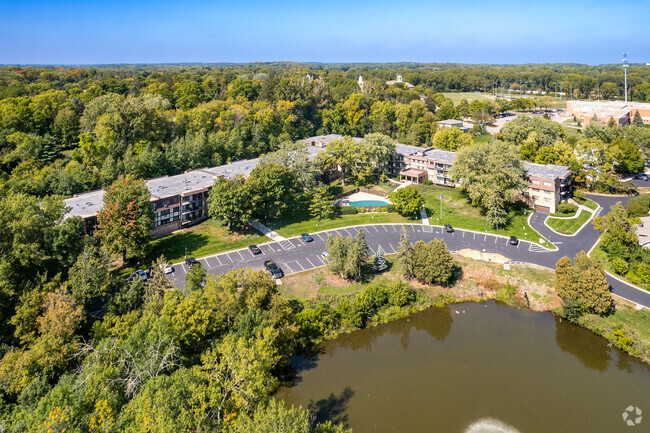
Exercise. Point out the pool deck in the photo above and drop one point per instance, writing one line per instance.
(359, 196)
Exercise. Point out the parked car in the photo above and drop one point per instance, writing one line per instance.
(306, 237)
(514, 240)
(142, 274)
(168, 269)
(641, 176)
(254, 249)
(324, 255)
(191, 261)
(273, 269)
(449, 228)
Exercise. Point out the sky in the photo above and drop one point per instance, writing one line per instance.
(186, 31)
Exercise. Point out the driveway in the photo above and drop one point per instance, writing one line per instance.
(295, 255)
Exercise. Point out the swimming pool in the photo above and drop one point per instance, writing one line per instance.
(368, 203)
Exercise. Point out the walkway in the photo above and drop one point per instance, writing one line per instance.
(266, 231)
(425, 218)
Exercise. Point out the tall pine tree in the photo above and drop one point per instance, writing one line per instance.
(380, 263)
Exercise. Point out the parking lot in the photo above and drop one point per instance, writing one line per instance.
(295, 255)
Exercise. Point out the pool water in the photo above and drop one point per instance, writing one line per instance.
(368, 203)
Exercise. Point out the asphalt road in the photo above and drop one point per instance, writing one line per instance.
(295, 255)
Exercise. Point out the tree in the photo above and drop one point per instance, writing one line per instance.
(432, 262)
(295, 156)
(187, 94)
(195, 277)
(336, 254)
(89, 276)
(124, 222)
(564, 277)
(321, 202)
(275, 417)
(379, 263)
(593, 291)
(447, 111)
(273, 190)
(357, 256)
(230, 200)
(451, 139)
(405, 252)
(492, 175)
(519, 130)
(637, 120)
(407, 201)
(617, 232)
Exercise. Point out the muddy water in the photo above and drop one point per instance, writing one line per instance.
(474, 367)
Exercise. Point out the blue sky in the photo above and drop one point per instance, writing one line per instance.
(144, 31)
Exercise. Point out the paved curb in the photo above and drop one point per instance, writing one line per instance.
(594, 213)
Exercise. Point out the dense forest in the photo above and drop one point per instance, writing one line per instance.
(83, 350)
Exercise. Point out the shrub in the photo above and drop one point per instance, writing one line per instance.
(572, 310)
(390, 208)
(620, 266)
(579, 194)
(348, 210)
(643, 273)
(506, 292)
(566, 208)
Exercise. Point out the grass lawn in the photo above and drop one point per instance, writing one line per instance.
(470, 96)
(483, 138)
(568, 226)
(586, 202)
(458, 211)
(202, 240)
(304, 223)
(571, 132)
(639, 320)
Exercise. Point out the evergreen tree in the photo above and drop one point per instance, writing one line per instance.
(336, 250)
(357, 256)
(380, 263)
(405, 252)
(321, 202)
(432, 262)
(638, 120)
(194, 277)
(564, 276)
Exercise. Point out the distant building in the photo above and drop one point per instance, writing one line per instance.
(399, 80)
(453, 123)
(621, 112)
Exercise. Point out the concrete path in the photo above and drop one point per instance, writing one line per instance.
(266, 231)
(403, 185)
(425, 218)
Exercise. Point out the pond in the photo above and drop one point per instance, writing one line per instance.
(473, 367)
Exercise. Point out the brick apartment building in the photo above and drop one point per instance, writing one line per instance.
(549, 184)
(621, 112)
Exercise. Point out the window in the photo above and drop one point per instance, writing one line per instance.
(536, 182)
(547, 183)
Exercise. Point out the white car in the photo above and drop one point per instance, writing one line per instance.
(167, 268)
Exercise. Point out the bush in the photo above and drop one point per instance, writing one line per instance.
(567, 208)
(391, 208)
(348, 210)
(579, 194)
(643, 273)
(572, 310)
(620, 266)
(639, 206)
(506, 292)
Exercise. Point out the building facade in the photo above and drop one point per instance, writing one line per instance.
(622, 113)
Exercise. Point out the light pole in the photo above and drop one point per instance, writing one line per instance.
(625, 65)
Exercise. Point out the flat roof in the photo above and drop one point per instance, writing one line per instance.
(449, 122)
(86, 204)
(243, 167)
(412, 172)
(327, 138)
(546, 171)
(407, 149)
(445, 156)
(169, 186)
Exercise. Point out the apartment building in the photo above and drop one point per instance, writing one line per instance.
(178, 201)
(549, 184)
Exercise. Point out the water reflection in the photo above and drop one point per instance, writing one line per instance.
(589, 348)
(332, 408)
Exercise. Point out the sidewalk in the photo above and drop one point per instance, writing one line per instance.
(425, 218)
(266, 231)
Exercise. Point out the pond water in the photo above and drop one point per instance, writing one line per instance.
(473, 367)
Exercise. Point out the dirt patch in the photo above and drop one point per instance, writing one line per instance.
(484, 257)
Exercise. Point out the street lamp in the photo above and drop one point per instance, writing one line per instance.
(625, 65)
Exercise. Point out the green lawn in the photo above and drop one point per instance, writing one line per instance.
(571, 132)
(568, 226)
(202, 240)
(458, 211)
(483, 138)
(470, 96)
(586, 202)
(306, 224)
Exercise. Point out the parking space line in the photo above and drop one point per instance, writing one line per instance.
(242, 257)
(183, 267)
(321, 259)
(320, 237)
(217, 257)
(375, 227)
(390, 245)
(230, 258)
(495, 239)
(312, 265)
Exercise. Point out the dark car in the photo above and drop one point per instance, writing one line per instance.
(514, 240)
(306, 237)
(254, 249)
(273, 269)
(142, 274)
(641, 176)
(449, 228)
(191, 261)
